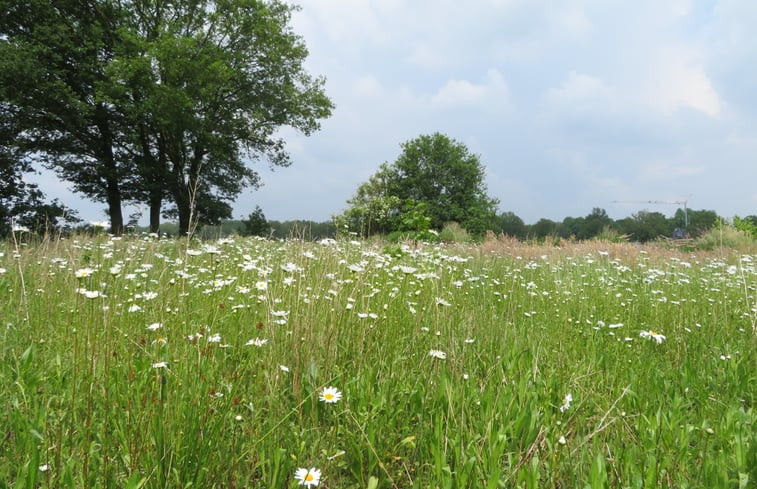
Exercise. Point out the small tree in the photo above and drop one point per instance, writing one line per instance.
(432, 170)
(510, 224)
(256, 223)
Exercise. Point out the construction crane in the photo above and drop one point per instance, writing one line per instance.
(675, 202)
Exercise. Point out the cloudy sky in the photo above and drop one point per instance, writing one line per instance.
(570, 104)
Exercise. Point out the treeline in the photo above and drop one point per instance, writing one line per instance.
(642, 226)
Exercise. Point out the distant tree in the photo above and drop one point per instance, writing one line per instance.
(645, 226)
(256, 223)
(509, 224)
(572, 227)
(594, 223)
(543, 228)
(746, 225)
(433, 170)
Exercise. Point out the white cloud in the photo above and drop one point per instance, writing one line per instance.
(491, 92)
(579, 88)
(678, 82)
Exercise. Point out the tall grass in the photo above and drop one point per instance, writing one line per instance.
(201, 365)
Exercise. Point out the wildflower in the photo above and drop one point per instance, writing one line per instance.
(437, 354)
(83, 272)
(257, 342)
(566, 403)
(330, 395)
(307, 477)
(290, 267)
(115, 270)
(155, 326)
(89, 294)
(261, 285)
(160, 365)
(283, 368)
(652, 335)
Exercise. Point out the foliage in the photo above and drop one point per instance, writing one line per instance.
(433, 170)
(747, 225)
(165, 363)
(52, 78)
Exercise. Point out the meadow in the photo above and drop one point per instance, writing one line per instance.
(145, 363)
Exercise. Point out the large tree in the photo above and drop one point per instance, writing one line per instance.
(209, 84)
(53, 57)
(174, 98)
(433, 170)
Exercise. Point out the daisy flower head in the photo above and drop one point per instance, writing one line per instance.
(653, 335)
(330, 395)
(566, 403)
(437, 354)
(307, 477)
(83, 272)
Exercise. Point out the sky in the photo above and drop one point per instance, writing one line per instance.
(570, 105)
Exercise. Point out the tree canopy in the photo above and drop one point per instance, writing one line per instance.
(158, 102)
(434, 172)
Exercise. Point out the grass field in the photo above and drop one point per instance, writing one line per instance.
(144, 363)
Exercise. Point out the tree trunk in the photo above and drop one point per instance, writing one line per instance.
(184, 206)
(110, 171)
(156, 200)
(114, 208)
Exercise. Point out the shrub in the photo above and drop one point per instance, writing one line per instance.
(452, 232)
(725, 236)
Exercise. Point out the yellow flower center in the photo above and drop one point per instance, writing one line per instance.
(309, 477)
(328, 396)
